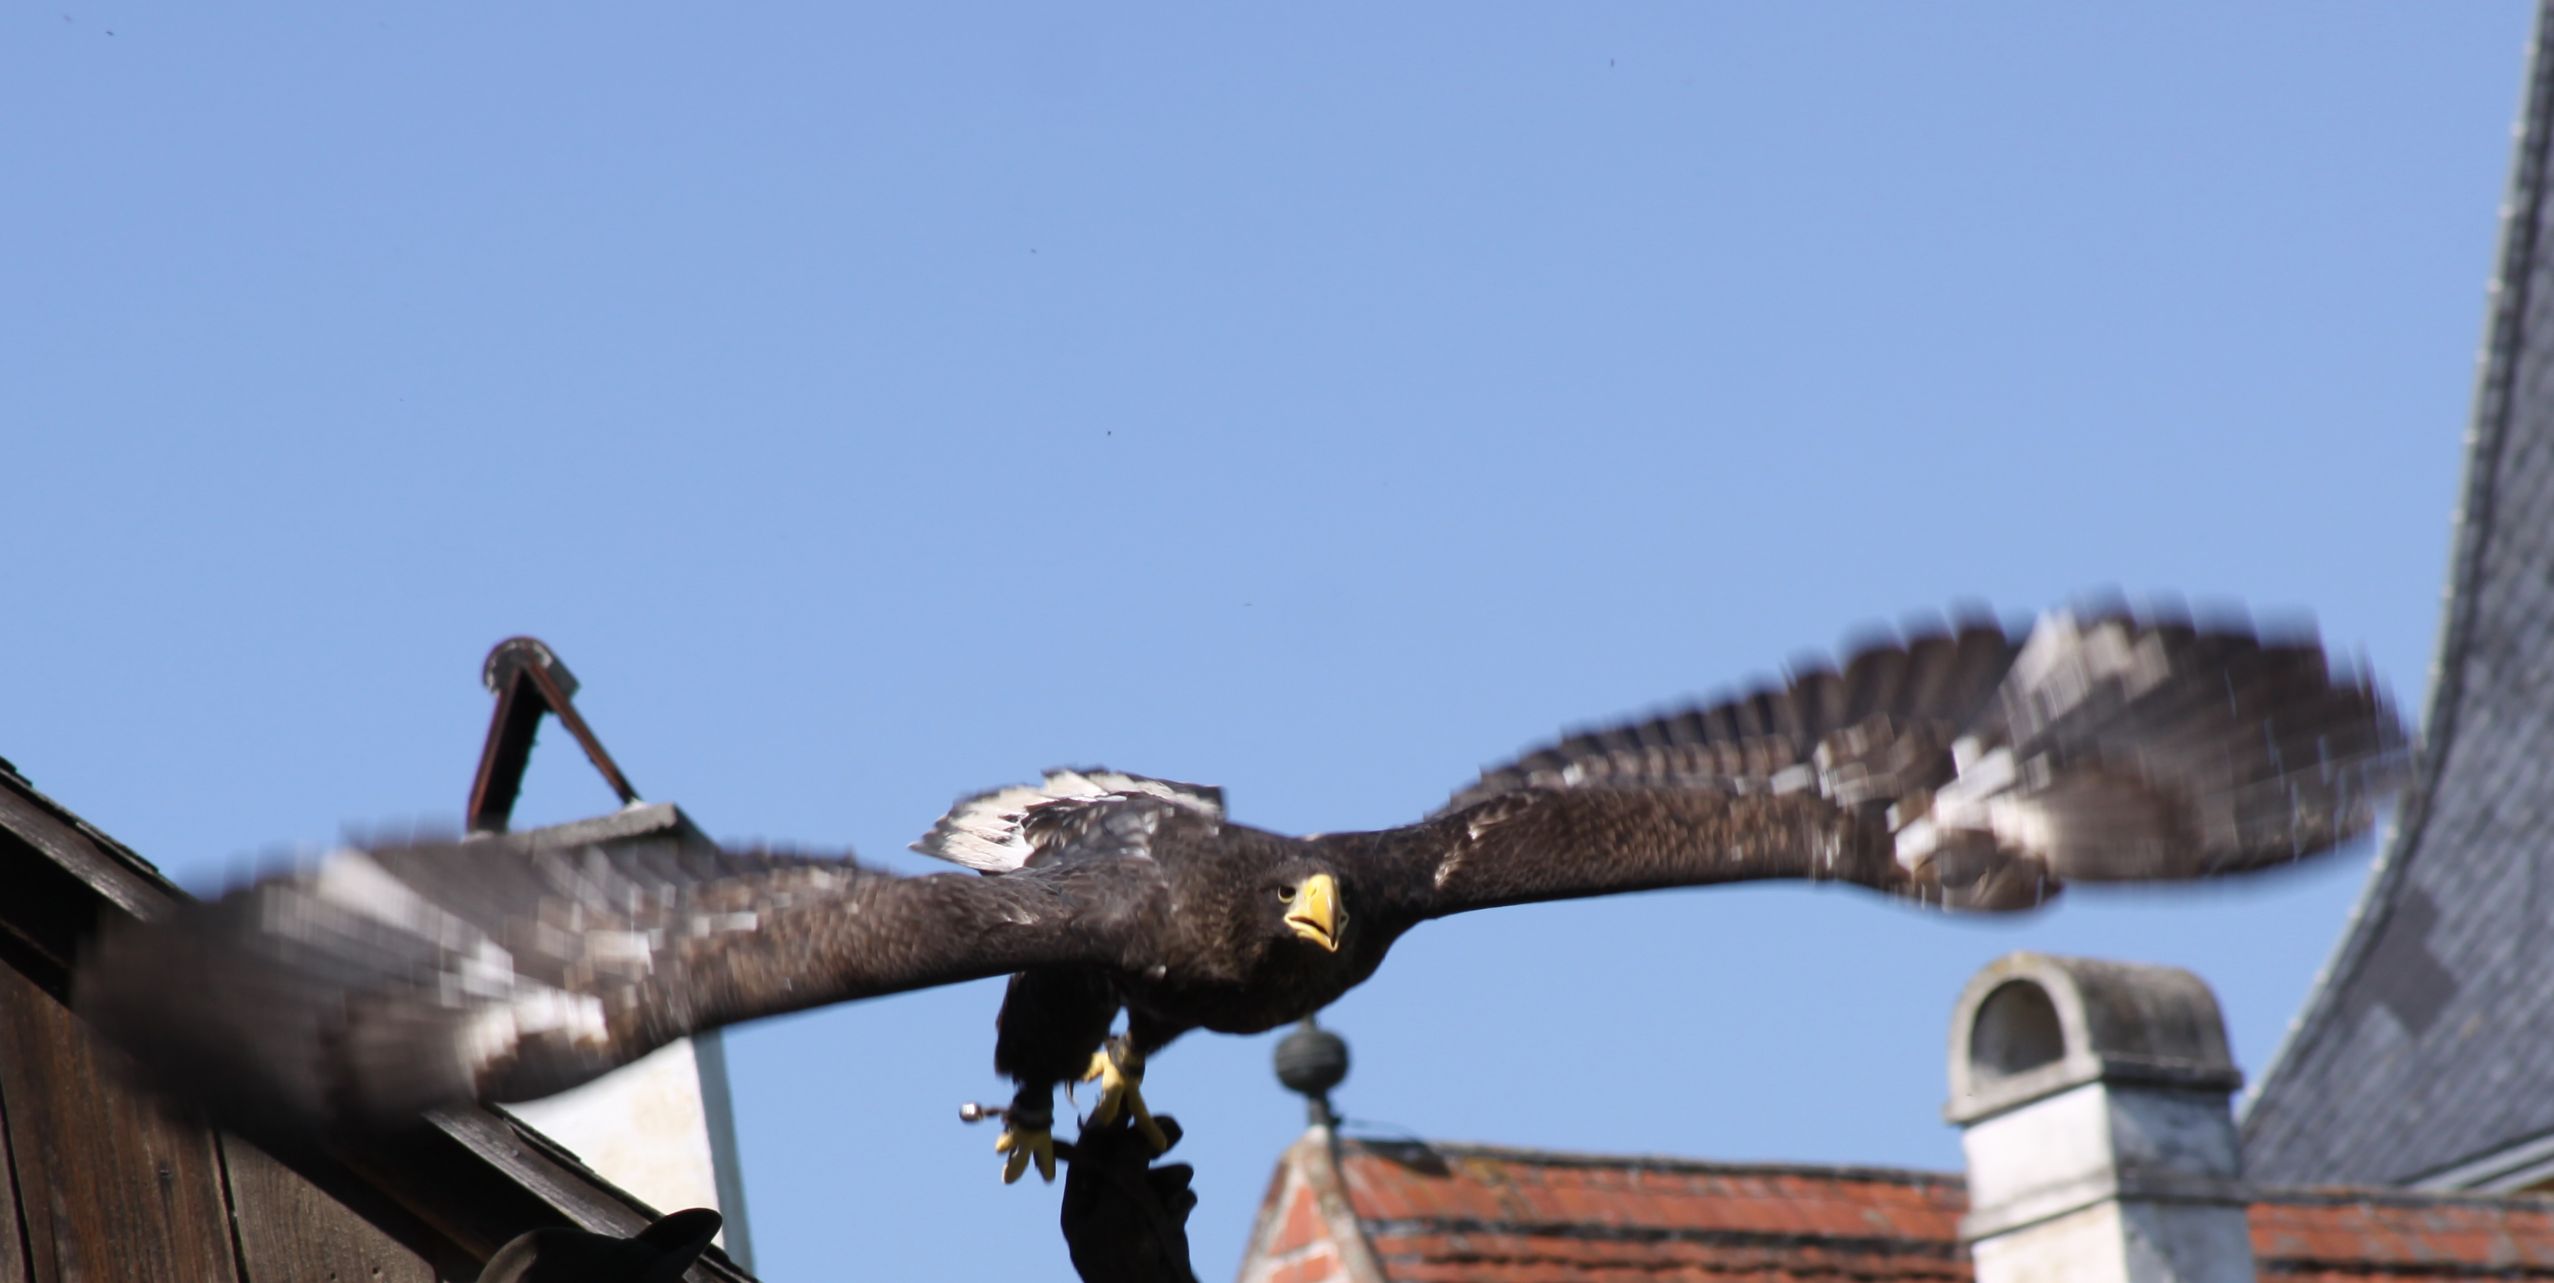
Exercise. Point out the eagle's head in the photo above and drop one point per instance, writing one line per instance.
(1262, 930)
(1288, 912)
(1313, 908)
(1261, 936)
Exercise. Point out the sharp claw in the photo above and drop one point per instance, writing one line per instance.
(1103, 1070)
(1119, 1088)
(1021, 1148)
(1153, 1134)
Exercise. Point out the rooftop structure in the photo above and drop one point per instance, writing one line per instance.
(2093, 1098)
(2419, 1060)
(101, 1181)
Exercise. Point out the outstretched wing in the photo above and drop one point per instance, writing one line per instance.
(380, 984)
(1967, 768)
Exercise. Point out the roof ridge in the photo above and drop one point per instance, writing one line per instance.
(1649, 1162)
(1617, 1232)
(2374, 1196)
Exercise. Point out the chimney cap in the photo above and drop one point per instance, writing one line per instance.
(2030, 1025)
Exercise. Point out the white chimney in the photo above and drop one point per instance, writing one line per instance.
(2092, 1102)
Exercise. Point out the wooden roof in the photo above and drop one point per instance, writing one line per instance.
(98, 1181)
(1412, 1212)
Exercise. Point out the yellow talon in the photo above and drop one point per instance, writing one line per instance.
(1112, 1086)
(1023, 1146)
(1122, 1084)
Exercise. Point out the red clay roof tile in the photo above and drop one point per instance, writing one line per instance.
(1443, 1213)
(2347, 1235)
(1302, 1224)
(1475, 1214)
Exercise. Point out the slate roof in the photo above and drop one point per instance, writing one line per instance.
(1409, 1212)
(2421, 1058)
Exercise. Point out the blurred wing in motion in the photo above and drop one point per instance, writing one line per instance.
(378, 984)
(1963, 768)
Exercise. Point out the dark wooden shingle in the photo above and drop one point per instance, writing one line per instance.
(111, 1186)
(104, 1182)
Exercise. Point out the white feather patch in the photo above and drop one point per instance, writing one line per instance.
(350, 879)
(490, 1038)
(481, 973)
(2064, 663)
(984, 831)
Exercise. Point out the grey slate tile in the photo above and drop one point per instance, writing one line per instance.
(2429, 1043)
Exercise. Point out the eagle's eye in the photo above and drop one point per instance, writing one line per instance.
(1286, 894)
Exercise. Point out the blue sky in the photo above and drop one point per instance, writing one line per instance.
(877, 403)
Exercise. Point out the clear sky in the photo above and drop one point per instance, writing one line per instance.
(876, 403)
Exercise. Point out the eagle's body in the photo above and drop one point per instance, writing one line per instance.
(1237, 981)
(1205, 964)
(1963, 769)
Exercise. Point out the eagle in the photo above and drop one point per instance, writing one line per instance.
(1961, 767)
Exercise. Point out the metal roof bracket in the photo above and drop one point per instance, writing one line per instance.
(528, 679)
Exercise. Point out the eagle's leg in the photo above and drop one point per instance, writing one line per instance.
(1028, 1133)
(1051, 1021)
(1119, 1069)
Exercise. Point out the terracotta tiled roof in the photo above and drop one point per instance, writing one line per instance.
(1407, 1212)
(2346, 1236)
(1439, 1213)
(1446, 1213)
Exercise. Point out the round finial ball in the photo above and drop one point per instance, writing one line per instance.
(1312, 1060)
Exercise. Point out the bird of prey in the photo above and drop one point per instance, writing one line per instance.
(1963, 768)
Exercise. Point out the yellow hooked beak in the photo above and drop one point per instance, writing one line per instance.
(1313, 911)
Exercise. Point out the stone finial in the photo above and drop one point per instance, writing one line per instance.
(1311, 1061)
